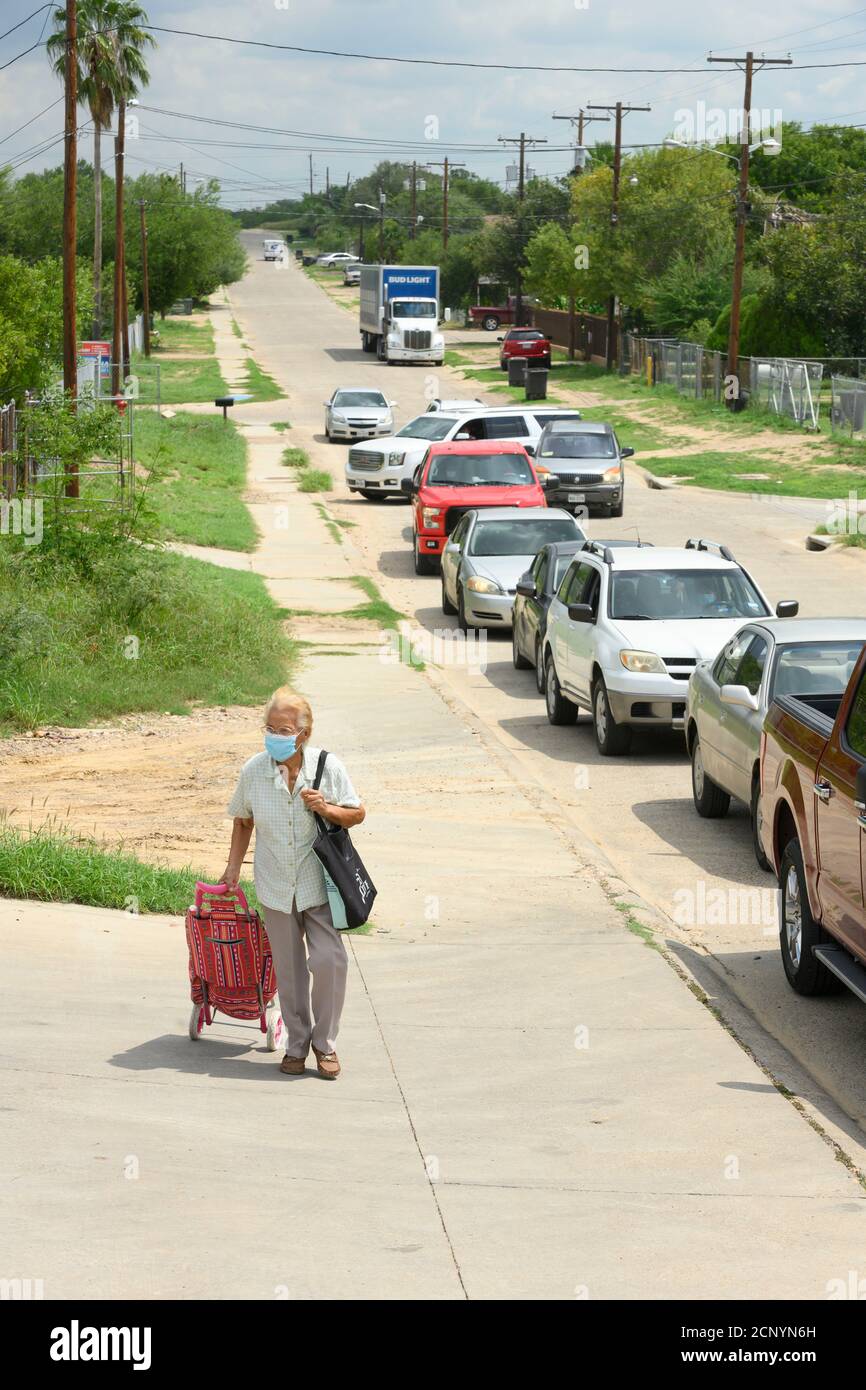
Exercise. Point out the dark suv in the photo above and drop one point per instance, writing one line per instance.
(586, 458)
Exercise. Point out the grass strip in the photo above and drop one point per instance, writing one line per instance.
(141, 631)
(199, 474)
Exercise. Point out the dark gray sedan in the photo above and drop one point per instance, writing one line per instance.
(535, 589)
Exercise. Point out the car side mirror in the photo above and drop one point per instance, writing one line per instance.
(500, 340)
(407, 486)
(452, 548)
(627, 452)
(530, 449)
(460, 437)
(860, 791)
(581, 613)
(394, 404)
(740, 697)
(526, 586)
(788, 608)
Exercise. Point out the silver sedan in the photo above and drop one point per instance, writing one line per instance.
(486, 554)
(357, 412)
(729, 696)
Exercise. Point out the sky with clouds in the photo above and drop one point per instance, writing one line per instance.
(398, 111)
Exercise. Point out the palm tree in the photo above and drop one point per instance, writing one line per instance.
(111, 70)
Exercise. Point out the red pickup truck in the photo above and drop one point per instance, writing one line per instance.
(813, 805)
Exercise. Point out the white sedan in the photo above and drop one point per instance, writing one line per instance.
(357, 412)
(337, 258)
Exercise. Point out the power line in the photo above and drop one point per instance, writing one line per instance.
(22, 22)
(445, 62)
(13, 133)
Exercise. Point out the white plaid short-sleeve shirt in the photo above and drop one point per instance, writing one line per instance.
(285, 869)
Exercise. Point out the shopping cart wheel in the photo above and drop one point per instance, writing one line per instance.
(196, 1021)
(275, 1029)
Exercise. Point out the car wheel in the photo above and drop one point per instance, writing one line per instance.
(539, 666)
(373, 496)
(461, 610)
(423, 563)
(503, 366)
(612, 739)
(559, 710)
(619, 508)
(491, 323)
(518, 659)
(798, 930)
(447, 606)
(710, 800)
(757, 817)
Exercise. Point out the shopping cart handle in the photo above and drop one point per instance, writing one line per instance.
(219, 890)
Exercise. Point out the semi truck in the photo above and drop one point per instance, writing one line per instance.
(400, 314)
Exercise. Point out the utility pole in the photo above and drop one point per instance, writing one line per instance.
(581, 120)
(522, 140)
(382, 201)
(119, 361)
(311, 174)
(327, 183)
(70, 218)
(182, 180)
(446, 166)
(748, 66)
(619, 111)
(145, 278)
(414, 216)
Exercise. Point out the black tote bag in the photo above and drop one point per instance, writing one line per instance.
(339, 858)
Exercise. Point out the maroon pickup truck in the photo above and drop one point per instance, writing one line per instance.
(813, 827)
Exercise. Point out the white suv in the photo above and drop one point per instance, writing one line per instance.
(627, 627)
(377, 469)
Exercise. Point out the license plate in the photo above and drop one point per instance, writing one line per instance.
(576, 497)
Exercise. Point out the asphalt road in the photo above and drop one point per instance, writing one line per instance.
(638, 810)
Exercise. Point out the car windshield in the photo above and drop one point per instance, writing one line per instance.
(374, 400)
(480, 470)
(412, 309)
(684, 594)
(524, 537)
(433, 427)
(578, 446)
(815, 668)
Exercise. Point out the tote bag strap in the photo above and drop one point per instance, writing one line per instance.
(320, 768)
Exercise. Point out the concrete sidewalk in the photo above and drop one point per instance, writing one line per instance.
(533, 1105)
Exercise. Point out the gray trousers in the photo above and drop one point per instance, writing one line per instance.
(325, 959)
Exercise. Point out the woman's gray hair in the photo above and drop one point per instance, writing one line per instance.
(288, 698)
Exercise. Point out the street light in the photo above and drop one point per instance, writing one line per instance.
(769, 146)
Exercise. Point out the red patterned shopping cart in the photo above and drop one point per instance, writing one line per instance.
(231, 970)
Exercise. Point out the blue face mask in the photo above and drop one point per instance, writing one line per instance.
(281, 746)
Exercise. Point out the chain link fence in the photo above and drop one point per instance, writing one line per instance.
(848, 408)
(785, 386)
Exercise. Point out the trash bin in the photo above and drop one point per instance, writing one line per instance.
(516, 371)
(536, 383)
(299, 254)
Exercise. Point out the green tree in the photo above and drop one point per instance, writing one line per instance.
(31, 323)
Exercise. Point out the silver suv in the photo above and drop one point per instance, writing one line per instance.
(627, 627)
(586, 458)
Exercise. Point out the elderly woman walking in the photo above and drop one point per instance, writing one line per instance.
(275, 795)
